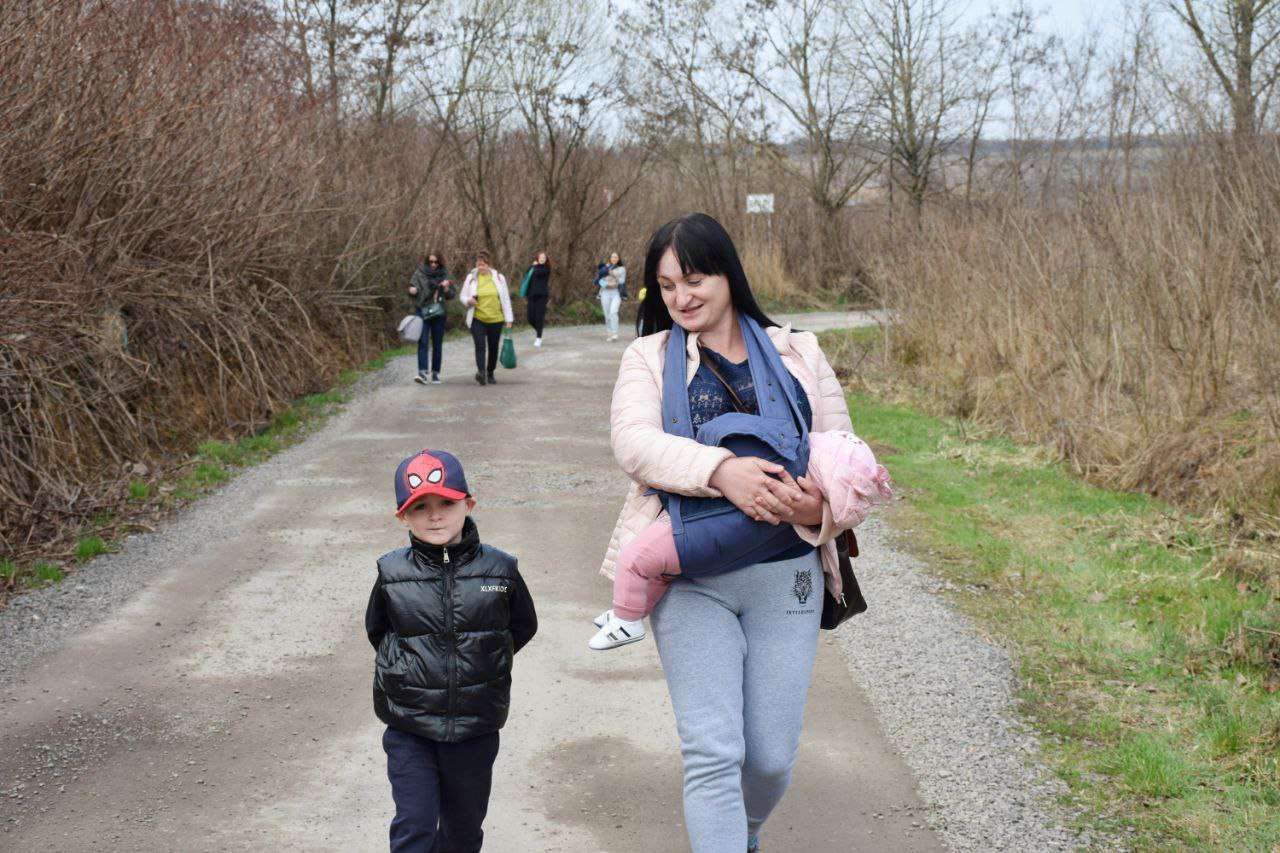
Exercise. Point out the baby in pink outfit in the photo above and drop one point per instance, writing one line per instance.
(845, 471)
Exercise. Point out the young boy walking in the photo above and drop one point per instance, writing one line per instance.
(447, 615)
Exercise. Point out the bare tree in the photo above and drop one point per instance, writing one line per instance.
(600, 183)
(298, 25)
(923, 63)
(699, 115)
(328, 34)
(1025, 74)
(1132, 97)
(1076, 112)
(339, 25)
(1237, 40)
(562, 88)
(805, 58)
(396, 21)
(1000, 44)
(460, 86)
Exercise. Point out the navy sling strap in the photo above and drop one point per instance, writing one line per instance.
(712, 535)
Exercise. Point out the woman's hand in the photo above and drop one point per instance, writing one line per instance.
(808, 510)
(748, 483)
(508, 325)
(413, 291)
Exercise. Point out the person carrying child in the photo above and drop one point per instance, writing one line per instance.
(737, 647)
(447, 615)
(840, 464)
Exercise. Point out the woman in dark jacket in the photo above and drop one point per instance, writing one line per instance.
(431, 290)
(538, 294)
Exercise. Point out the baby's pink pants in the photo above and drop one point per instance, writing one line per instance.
(638, 581)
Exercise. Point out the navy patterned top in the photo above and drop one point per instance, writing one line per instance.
(708, 399)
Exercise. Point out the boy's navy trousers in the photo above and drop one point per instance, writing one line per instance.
(441, 791)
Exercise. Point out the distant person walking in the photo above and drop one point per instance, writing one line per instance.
(539, 292)
(488, 309)
(430, 288)
(611, 278)
(639, 312)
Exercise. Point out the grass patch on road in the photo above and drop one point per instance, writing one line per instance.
(215, 462)
(1148, 665)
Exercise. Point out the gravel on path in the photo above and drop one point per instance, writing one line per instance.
(944, 696)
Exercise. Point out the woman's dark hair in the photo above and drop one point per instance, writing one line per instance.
(701, 245)
(482, 256)
(439, 259)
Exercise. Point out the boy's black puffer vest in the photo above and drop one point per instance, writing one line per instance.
(443, 671)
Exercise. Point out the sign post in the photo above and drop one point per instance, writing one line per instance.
(763, 203)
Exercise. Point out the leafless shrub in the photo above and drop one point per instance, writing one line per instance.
(182, 248)
(1138, 334)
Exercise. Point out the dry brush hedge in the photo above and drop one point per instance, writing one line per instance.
(183, 246)
(1140, 335)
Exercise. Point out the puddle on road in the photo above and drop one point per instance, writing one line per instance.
(580, 786)
(616, 673)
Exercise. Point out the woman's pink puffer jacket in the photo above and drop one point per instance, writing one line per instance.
(651, 457)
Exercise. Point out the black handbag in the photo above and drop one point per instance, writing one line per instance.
(432, 310)
(836, 610)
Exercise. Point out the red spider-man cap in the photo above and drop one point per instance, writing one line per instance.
(431, 472)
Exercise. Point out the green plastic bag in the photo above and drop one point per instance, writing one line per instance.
(508, 356)
(524, 283)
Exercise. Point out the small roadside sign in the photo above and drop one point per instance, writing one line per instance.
(760, 203)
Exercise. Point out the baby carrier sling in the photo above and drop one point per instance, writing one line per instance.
(712, 535)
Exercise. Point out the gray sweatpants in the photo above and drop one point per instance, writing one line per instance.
(738, 651)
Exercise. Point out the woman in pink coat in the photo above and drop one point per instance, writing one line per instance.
(738, 648)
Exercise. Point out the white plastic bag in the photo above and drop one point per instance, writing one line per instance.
(410, 328)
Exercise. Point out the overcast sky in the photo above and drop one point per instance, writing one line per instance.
(1061, 17)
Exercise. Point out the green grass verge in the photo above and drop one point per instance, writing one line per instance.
(214, 463)
(216, 460)
(1150, 673)
(88, 547)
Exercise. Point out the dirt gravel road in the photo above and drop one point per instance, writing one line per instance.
(208, 687)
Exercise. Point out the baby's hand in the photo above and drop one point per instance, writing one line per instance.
(807, 510)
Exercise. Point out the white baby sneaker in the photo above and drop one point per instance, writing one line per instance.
(617, 632)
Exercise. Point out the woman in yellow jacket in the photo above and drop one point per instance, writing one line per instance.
(640, 314)
(488, 309)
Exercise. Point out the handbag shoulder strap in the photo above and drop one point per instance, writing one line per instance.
(710, 363)
(850, 542)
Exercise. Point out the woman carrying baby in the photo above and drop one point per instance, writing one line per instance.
(749, 533)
